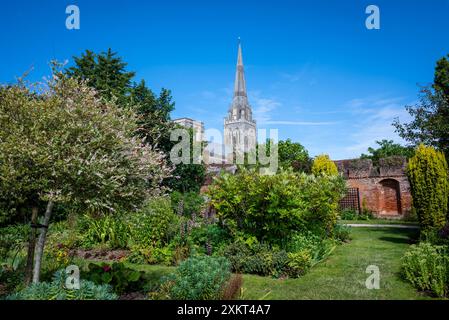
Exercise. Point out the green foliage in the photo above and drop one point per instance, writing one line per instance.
(430, 124)
(56, 290)
(342, 233)
(387, 148)
(428, 176)
(188, 177)
(154, 224)
(188, 203)
(209, 237)
(117, 275)
(323, 165)
(293, 155)
(105, 72)
(67, 146)
(200, 278)
(13, 240)
(298, 263)
(272, 207)
(427, 268)
(300, 253)
(107, 230)
(348, 214)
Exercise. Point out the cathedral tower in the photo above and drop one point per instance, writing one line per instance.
(239, 126)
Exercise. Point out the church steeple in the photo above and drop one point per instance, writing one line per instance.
(239, 126)
(240, 84)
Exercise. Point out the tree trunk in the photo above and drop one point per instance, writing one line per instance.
(41, 243)
(31, 247)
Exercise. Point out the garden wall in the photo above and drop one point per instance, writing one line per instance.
(384, 190)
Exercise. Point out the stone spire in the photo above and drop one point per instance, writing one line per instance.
(240, 84)
(239, 126)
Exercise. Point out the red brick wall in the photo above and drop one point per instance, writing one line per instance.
(385, 196)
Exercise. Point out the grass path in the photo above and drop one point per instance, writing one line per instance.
(342, 275)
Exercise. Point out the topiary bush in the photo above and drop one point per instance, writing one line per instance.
(56, 290)
(199, 278)
(428, 175)
(427, 268)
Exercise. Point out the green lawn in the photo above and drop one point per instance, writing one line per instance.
(342, 275)
(380, 221)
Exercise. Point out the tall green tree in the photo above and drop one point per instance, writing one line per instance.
(106, 72)
(430, 124)
(387, 148)
(294, 155)
(153, 113)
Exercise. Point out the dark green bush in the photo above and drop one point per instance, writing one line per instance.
(155, 224)
(301, 252)
(349, 214)
(342, 233)
(188, 203)
(56, 290)
(117, 275)
(427, 268)
(106, 230)
(200, 278)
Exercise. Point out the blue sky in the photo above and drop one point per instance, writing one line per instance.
(313, 70)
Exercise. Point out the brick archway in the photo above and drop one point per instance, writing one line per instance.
(389, 197)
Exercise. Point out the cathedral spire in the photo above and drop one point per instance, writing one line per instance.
(240, 84)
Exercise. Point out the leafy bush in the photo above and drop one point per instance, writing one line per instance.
(349, 214)
(427, 268)
(428, 175)
(323, 165)
(188, 203)
(301, 252)
(209, 238)
(200, 278)
(298, 263)
(342, 233)
(117, 275)
(154, 224)
(109, 230)
(56, 290)
(272, 207)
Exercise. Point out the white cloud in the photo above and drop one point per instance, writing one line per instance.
(372, 122)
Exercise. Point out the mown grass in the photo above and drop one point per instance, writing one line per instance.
(380, 221)
(342, 276)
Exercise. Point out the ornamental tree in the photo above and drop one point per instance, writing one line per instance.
(323, 165)
(61, 143)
